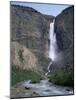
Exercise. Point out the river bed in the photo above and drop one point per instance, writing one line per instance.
(44, 88)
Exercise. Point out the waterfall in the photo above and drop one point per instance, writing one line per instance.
(52, 46)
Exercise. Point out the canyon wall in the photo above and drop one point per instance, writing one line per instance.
(29, 38)
(64, 30)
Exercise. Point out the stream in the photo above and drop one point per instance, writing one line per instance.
(45, 88)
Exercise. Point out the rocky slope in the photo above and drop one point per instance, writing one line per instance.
(23, 57)
(64, 29)
(29, 38)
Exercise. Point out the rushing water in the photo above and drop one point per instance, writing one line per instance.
(53, 42)
(45, 88)
(52, 46)
(48, 69)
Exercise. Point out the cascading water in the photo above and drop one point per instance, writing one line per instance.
(53, 45)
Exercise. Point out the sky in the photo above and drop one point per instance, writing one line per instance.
(48, 9)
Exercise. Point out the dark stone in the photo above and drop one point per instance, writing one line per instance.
(34, 93)
(27, 87)
(67, 89)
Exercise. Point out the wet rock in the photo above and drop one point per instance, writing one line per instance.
(67, 89)
(35, 94)
(27, 87)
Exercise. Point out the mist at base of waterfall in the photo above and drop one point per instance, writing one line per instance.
(54, 53)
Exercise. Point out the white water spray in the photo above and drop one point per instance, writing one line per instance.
(53, 45)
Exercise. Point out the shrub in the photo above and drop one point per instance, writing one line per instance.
(18, 75)
(64, 77)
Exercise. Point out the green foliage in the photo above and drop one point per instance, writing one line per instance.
(64, 77)
(18, 75)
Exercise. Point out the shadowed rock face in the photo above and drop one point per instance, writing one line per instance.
(64, 29)
(30, 29)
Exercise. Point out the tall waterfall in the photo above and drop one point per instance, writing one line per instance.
(53, 43)
(52, 46)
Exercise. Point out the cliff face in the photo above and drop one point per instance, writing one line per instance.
(29, 28)
(64, 29)
(29, 38)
